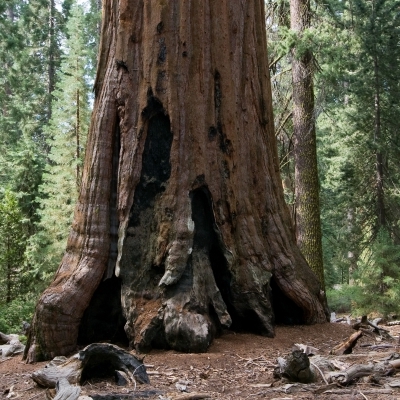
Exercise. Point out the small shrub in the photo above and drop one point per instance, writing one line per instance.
(377, 278)
(12, 314)
(340, 300)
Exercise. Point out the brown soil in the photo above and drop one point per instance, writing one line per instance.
(237, 366)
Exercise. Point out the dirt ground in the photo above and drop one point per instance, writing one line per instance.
(236, 366)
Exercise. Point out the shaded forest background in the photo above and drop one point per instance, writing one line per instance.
(48, 51)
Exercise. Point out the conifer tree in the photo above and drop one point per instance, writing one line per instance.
(360, 145)
(67, 131)
(13, 236)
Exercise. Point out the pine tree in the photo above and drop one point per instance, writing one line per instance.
(67, 131)
(13, 235)
(360, 146)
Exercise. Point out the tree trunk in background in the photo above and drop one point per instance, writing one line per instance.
(308, 224)
(181, 194)
(380, 194)
(51, 54)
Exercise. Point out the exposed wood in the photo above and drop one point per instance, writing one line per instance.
(192, 396)
(70, 369)
(393, 323)
(377, 321)
(295, 367)
(394, 363)
(65, 391)
(10, 345)
(347, 346)
(351, 391)
(97, 359)
(138, 394)
(361, 324)
(6, 338)
(360, 370)
(181, 196)
(376, 327)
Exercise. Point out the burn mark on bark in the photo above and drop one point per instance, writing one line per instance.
(264, 226)
(207, 241)
(138, 271)
(225, 144)
(160, 27)
(103, 319)
(162, 52)
(212, 133)
(199, 181)
(121, 64)
(263, 110)
(225, 168)
(161, 77)
(114, 222)
(156, 166)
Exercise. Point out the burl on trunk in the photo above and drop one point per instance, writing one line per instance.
(181, 227)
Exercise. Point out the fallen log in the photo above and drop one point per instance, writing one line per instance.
(96, 360)
(347, 346)
(139, 394)
(6, 338)
(360, 370)
(393, 323)
(10, 345)
(59, 368)
(351, 391)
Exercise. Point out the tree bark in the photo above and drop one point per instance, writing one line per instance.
(308, 224)
(182, 164)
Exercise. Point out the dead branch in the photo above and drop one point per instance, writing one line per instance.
(347, 346)
(393, 323)
(359, 370)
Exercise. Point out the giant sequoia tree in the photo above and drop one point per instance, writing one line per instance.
(181, 226)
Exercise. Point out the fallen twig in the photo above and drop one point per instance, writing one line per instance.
(363, 395)
(321, 373)
(193, 396)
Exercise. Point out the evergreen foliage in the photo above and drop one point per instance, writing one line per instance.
(48, 57)
(357, 105)
(48, 51)
(66, 139)
(13, 236)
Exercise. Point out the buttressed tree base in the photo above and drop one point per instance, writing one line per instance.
(181, 228)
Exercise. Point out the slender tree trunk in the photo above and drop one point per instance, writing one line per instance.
(380, 202)
(77, 136)
(182, 162)
(9, 273)
(308, 224)
(51, 55)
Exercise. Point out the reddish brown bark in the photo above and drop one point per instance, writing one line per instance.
(182, 162)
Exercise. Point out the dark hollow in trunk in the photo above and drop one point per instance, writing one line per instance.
(103, 320)
(181, 196)
(286, 311)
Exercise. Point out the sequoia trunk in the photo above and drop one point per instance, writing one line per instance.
(181, 203)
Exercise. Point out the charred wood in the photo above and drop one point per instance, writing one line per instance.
(94, 361)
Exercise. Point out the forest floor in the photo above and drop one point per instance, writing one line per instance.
(236, 366)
